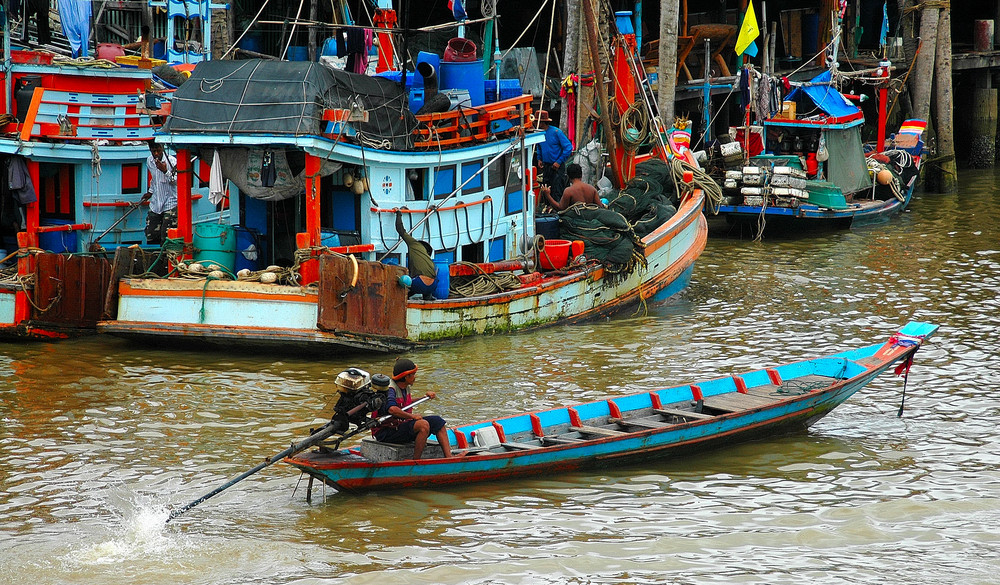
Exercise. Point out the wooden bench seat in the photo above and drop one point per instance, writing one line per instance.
(683, 413)
(645, 423)
(597, 431)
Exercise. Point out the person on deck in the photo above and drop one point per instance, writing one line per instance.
(406, 426)
(577, 192)
(423, 272)
(552, 155)
(162, 194)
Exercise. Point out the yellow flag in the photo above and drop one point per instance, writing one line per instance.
(748, 30)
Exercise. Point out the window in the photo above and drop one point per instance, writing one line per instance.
(415, 180)
(444, 181)
(132, 178)
(470, 169)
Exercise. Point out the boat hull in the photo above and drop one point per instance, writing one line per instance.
(750, 406)
(229, 314)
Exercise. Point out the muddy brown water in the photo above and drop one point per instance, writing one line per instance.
(100, 437)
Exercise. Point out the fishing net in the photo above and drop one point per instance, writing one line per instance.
(613, 236)
(649, 199)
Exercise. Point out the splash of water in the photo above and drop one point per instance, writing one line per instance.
(139, 531)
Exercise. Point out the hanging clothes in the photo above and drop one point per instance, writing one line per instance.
(19, 181)
(75, 18)
(357, 51)
(216, 183)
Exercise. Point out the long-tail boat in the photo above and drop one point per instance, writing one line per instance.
(638, 427)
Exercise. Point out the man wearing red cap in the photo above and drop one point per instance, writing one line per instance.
(406, 426)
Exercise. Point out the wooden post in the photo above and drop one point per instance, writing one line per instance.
(923, 71)
(602, 90)
(667, 68)
(944, 110)
(570, 63)
(983, 124)
(312, 30)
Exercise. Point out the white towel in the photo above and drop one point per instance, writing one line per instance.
(216, 184)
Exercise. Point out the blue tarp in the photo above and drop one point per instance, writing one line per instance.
(826, 97)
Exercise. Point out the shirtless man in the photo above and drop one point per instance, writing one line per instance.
(577, 192)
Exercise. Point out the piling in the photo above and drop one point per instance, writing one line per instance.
(947, 169)
(983, 122)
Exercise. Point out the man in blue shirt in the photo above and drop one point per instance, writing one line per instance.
(552, 155)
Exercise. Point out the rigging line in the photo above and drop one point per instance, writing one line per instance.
(246, 30)
(243, 96)
(431, 211)
(524, 32)
(291, 34)
(548, 51)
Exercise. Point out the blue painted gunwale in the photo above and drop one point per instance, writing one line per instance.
(849, 371)
(856, 215)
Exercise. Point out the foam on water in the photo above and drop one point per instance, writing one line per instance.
(139, 532)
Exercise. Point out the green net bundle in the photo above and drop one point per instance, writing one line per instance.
(613, 236)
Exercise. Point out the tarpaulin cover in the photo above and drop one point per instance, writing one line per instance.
(826, 97)
(288, 97)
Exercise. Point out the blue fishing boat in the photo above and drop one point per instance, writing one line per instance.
(660, 423)
(322, 160)
(809, 168)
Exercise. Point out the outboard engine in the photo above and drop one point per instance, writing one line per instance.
(360, 395)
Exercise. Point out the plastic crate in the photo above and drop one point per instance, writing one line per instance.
(138, 62)
(509, 88)
(31, 57)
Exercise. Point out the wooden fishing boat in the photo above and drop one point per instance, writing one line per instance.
(80, 133)
(461, 178)
(812, 170)
(661, 423)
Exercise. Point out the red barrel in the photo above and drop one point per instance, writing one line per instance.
(460, 49)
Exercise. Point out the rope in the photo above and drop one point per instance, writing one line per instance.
(713, 192)
(484, 284)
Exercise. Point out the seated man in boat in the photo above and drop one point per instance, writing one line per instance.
(423, 272)
(577, 192)
(406, 426)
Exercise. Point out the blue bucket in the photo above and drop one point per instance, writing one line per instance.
(464, 75)
(441, 288)
(216, 243)
(298, 53)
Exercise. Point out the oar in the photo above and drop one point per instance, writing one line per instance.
(313, 439)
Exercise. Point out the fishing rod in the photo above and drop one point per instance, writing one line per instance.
(322, 434)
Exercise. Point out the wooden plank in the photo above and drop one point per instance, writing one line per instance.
(550, 440)
(520, 446)
(735, 402)
(587, 430)
(646, 423)
(683, 413)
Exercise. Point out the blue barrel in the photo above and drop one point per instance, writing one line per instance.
(441, 289)
(215, 242)
(464, 75)
(547, 226)
(298, 53)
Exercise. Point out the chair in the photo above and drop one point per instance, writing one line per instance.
(720, 37)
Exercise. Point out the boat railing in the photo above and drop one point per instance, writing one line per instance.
(76, 115)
